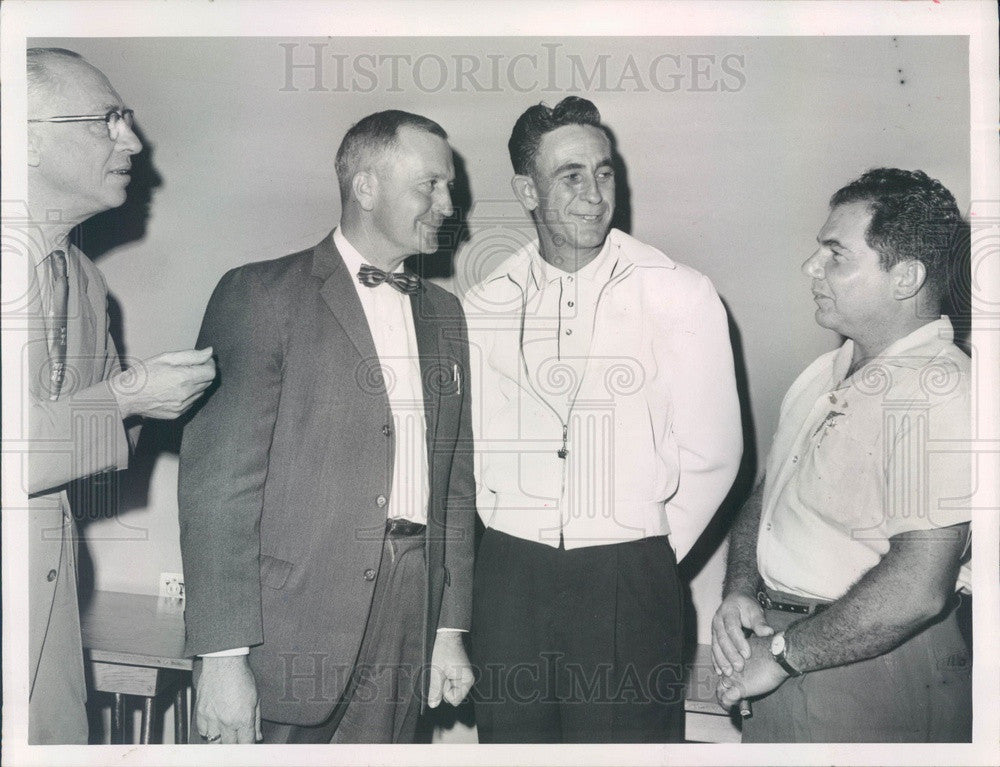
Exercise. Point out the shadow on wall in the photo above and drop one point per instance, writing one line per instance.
(110, 497)
(127, 223)
(743, 485)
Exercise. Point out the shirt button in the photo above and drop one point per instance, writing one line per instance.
(369, 574)
(569, 331)
(381, 501)
(51, 576)
(386, 430)
(569, 303)
(768, 526)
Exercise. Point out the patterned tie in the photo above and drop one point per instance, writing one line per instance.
(57, 322)
(371, 277)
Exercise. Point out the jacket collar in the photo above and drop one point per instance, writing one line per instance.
(625, 250)
(911, 351)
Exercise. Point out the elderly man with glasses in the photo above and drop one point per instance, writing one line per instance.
(78, 396)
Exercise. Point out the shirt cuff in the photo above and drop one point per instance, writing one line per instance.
(457, 631)
(226, 653)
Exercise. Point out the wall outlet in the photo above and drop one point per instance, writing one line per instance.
(172, 585)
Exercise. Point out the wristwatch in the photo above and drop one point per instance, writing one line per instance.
(778, 651)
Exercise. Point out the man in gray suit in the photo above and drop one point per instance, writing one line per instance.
(326, 486)
(80, 148)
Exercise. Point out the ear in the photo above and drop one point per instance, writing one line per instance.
(34, 148)
(525, 191)
(364, 185)
(908, 278)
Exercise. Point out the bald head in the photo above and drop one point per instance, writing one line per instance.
(78, 165)
(54, 75)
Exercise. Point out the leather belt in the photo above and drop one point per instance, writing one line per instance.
(397, 527)
(805, 607)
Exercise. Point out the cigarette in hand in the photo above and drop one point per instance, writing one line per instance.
(746, 710)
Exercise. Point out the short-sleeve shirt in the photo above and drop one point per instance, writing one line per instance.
(858, 459)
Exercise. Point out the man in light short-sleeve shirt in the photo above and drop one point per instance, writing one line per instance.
(844, 564)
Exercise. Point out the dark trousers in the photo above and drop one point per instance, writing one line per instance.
(382, 701)
(580, 645)
(919, 692)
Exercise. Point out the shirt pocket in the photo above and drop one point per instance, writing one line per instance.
(841, 479)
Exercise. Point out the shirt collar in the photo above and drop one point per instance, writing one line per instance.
(542, 272)
(623, 252)
(351, 256)
(910, 351)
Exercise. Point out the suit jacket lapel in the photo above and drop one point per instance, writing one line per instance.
(340, 295)
(432, 371)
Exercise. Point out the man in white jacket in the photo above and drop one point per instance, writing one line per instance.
(607, 434)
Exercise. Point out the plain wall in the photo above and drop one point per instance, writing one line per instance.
(728, 169)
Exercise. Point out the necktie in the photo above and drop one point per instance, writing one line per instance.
(370, 276)
(57, 322)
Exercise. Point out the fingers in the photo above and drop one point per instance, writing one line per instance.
(436, 687)
(185, 357)
(458, 686)
(728, 692)
(762, 629)
(727, 654)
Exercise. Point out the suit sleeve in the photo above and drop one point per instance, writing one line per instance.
(80, 434)
(706, 410)
(223, 466)
(456, 605)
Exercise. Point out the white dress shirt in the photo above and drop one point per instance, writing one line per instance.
(390, 320)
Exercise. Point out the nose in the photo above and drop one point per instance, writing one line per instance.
(813, 266)
(592, 192)
(127, 140)
(442, 201)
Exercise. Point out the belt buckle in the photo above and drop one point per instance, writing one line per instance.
(763, 599)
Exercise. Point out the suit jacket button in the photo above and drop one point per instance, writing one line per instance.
(51, 576)
(386, 430)
(369, 574)
(381, 501)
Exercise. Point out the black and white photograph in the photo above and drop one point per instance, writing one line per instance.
(500, 383)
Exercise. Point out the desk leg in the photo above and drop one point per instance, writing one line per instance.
(181, 715)
(147, 720)
(117, 717)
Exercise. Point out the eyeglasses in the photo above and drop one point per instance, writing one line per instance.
(114, 118)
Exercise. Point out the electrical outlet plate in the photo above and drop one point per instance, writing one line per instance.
(172, 585)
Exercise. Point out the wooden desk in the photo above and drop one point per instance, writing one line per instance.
(135, 646)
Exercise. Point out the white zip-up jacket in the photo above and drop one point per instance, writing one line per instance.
(653, 440)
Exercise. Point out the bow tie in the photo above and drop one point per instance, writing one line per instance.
(371, 277)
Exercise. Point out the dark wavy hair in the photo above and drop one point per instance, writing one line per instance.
(913, 217)
(372, 136)
(539, 120)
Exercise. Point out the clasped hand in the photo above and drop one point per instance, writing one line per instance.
(744, 664)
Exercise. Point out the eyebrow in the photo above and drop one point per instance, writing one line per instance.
(580, 166)
(833, 243)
